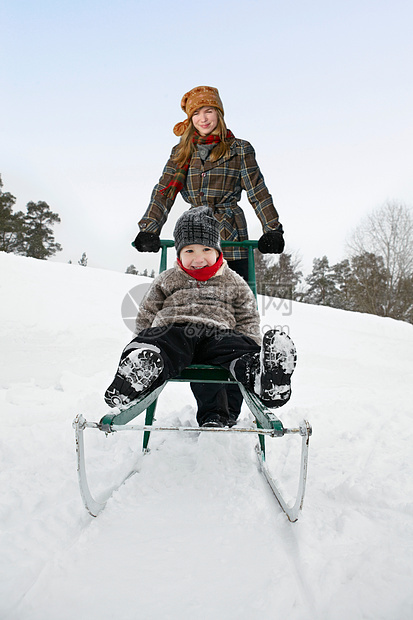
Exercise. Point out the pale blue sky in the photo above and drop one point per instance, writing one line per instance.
(91, 90)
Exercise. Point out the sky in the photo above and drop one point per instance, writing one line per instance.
(91, 90)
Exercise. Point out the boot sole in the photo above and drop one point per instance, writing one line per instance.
(140, 368)
(135, 375)
(278, 351)
(278, 361)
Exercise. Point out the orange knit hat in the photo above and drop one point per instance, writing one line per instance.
(196, 98)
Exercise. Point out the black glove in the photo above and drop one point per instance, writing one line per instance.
(271, 242)
(147, 242)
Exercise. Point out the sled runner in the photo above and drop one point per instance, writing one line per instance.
(267, 424)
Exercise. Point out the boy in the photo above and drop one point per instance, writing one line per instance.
(202, 312)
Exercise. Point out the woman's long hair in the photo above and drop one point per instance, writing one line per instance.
(186, 147)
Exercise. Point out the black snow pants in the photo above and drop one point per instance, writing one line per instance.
(193, 343)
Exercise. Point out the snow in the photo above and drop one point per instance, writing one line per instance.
(196, 533)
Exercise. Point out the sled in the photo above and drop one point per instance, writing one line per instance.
(266, 423)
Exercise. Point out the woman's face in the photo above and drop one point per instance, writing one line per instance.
(205, 120)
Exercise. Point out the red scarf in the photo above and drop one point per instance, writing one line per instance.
(205, 273)
(175, 186)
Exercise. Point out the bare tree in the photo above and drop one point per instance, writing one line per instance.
(388, 232)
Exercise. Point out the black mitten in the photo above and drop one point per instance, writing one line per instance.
(271, 242)
(147, 242)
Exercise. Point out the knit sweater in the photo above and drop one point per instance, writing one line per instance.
(225, 301)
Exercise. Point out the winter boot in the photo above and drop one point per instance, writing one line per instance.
(277, 362)
(212, 404)
(268, 374)
(135, 376)
(213, 420)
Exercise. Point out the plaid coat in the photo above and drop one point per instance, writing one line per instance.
(218, 185)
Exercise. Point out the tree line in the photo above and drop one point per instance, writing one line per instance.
(376, 277)
(135, 272)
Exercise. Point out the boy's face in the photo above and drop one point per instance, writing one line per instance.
(196, 256)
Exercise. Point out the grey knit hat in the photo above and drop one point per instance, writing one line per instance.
(197, 225)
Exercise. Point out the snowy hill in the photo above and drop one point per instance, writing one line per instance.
(196, 534)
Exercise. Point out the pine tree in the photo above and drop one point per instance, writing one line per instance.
(403, 305)
(285, 277)
(11, 224)
(368, 286)
(277, 278)
(321, 288)
(37, 238)
(83, 260)
(261, 272)
(132, 270)
(343, 278)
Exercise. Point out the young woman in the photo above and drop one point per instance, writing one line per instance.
(210, 167)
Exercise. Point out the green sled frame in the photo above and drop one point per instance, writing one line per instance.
(267, 424)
